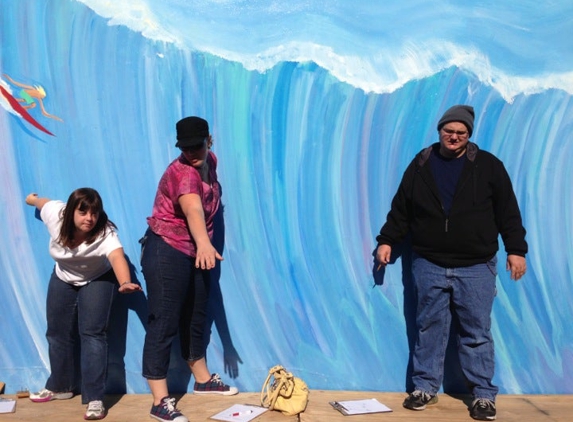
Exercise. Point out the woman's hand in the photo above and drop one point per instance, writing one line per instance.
(33, 200)
(207, 257)
(129, 287)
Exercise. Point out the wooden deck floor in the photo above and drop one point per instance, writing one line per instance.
(135, 407)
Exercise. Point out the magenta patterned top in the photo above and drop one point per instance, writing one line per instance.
(167, 219)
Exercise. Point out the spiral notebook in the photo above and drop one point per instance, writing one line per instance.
(359, 407)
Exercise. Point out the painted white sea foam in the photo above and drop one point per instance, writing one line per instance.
(133, 14)
(389, 71)
(384, 72)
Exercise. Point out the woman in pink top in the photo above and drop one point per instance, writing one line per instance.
(177, 255)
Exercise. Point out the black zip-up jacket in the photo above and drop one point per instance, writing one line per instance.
(484, 206)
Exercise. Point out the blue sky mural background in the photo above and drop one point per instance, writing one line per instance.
(316, 108)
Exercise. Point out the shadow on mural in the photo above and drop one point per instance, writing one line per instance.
(216, 311)
(117, 333)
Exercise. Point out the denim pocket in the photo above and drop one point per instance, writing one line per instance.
(492, 265)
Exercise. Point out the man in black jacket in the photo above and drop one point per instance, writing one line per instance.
(455, 200)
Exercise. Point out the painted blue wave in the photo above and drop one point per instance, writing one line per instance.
(308, 165)
(515, 47)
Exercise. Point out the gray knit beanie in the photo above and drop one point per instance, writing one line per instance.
(459, 113)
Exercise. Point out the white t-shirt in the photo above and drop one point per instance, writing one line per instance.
(85, 263)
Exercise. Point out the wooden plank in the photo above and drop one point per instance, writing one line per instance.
(510, 408)
(135, 407)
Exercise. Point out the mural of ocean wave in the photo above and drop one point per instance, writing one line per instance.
(375, 46)
(309, 161)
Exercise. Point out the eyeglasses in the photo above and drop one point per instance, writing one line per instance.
(460, 133)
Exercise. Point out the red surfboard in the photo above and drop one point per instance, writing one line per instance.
(22, 111)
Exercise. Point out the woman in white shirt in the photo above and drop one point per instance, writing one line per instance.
(90, 265)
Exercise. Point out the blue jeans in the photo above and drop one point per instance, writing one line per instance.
(177, 295)
(86, 310)
(467, 292)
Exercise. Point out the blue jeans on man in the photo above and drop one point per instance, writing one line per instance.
(86, 309)
(469, 293)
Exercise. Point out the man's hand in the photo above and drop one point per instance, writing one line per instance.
(516, 264)
(383, 254)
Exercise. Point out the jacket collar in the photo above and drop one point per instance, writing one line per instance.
(471, 153)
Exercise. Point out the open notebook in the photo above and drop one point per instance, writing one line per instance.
(7, 405)
(359, 407)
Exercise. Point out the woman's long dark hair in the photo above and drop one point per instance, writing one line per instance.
(83, 199)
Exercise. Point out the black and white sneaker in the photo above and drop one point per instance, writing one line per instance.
(483, 410)
(418, 400)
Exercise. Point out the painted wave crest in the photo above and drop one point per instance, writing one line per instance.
(389, 69)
